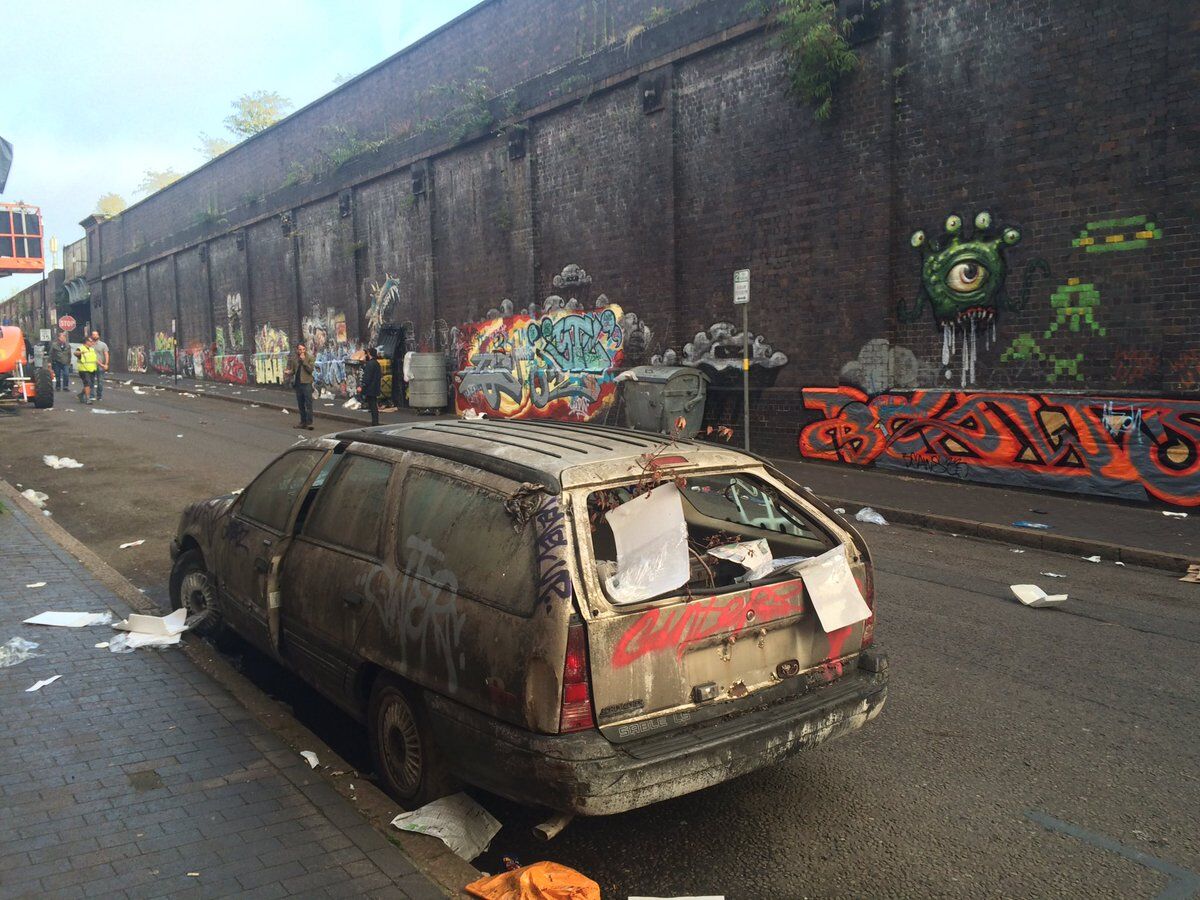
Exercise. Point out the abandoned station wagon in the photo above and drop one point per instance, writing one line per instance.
(584, 618)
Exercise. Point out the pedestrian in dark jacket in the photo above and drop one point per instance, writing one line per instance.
(60, 361)
(300, 371)
(372, 383)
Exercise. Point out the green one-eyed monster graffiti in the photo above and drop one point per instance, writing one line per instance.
(962, 277)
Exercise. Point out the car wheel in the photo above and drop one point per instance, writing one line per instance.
(407, 760)
(193, 587)
(43, 389)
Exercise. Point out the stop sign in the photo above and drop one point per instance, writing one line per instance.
(67, 323)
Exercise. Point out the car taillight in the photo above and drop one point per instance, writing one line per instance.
(867, 587)
(577, 688)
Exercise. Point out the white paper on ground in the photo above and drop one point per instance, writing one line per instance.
(1175, 515)
(61, 462)
(160, 626)
(133, 544)
(833, 590)
(754, 556)
(36, 584)
(651, 538)
(1093, 559)
(70, 619)
(37, 686)
(458, 821)
(37, 498)
(1032, 595)
(129, 641)
(311, 758)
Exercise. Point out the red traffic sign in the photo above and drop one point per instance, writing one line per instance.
(67, 323)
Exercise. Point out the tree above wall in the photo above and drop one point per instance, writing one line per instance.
(256, 111)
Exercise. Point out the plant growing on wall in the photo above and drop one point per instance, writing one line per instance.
(818, 55)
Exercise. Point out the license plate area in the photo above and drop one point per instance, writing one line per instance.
(748, 659)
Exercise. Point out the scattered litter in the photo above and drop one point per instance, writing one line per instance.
(127, 383)
(473, 414)
(327, 404)
(36, 584)
(1175, 515)
(179, 435)
(840, 510)
(193, 874)
(101, 646)
(458, 821)
(116, 412)
(1015, 550)
(311, 758)
(866, 514)
(1095, 559)
(627, 375)
(37, 498)
(1119, 563)
(285, 412)
(705, 897)
(70, 619)
(254, 406)
(15, 651)
(186, 394)
(1032, 595)
(543, 880)
(136, 543)
(41, 684)
(651, 541)
(138, 391)
(61, 462)
(1024, 524)
(832, 589)
(1052, 575)
(149, 631)
(1193, 574)
(351, 404)
(754, 556)
(46, 512)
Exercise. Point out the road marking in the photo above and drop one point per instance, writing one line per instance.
(1184, 883)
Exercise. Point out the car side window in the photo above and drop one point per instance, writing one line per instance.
(272, 495)
(460, 537)
(351, 508)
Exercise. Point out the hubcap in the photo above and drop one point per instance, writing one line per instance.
(401, 743)
(196, 592)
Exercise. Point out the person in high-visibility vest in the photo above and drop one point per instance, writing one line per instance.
(88, 364)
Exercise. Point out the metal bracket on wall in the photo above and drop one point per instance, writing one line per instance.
(516, 141)
(653, 87)
(420, 177)
(203, 252)
(239, 239)
(345, 199)
(287, 223)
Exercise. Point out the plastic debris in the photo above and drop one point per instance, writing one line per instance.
(457, 821)
(1037, 525)
(115, 412)
(16, 650)
(186, 394)
(1094, 559)
(1052, 575)
(285, 412)
(70, 619)
(179, 435)
(136, 543)
(754, 556)
(310, 758)
(61, 462)
(1119, 563)
(473, 414)
(37, 686)
(37, 498)
(36, 584)
(103, 645)
(1032, 595)
(1015, 550)
(866, 514)
(540, 881)
(351, 404)
(1193, 574)
(840, 510)
(1174, 515)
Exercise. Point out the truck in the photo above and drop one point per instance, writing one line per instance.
(20, 380)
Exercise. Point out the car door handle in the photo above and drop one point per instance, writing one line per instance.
(353, 598)
(261, 565)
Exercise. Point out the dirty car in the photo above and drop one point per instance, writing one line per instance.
(585, 618)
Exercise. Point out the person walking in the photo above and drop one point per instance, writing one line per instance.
(372, 383)
(102, 360)
(87, 369)
(300, 371)
(60, 361)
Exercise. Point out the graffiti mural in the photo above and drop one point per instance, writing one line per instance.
(135, 359)
(162, 358)
(557, 360)
(326, 336)
(1128, 448)
(383, 298)
(232, 333)
(271, 350)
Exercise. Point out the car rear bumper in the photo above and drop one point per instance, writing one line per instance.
(586, 774)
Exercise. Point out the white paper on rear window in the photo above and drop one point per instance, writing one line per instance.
(833, 591)
(651, 539)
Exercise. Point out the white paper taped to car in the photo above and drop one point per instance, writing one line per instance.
(651, 539)
(833, 591)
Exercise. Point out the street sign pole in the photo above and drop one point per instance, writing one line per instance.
(741, 297)
(175, 352)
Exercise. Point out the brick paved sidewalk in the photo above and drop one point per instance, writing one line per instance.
(133, 770)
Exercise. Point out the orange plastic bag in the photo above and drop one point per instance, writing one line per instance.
(540, 881)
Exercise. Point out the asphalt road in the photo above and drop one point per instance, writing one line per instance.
(1022, 753)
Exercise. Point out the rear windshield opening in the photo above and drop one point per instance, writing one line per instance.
(739, 530)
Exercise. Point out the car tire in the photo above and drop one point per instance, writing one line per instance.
(407, 761)
(193, 587)
(43, 389)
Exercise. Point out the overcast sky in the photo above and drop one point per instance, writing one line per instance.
(97, 93)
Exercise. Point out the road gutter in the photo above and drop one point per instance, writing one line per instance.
(429, 855)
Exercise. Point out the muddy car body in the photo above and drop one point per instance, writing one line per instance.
(445, 584)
